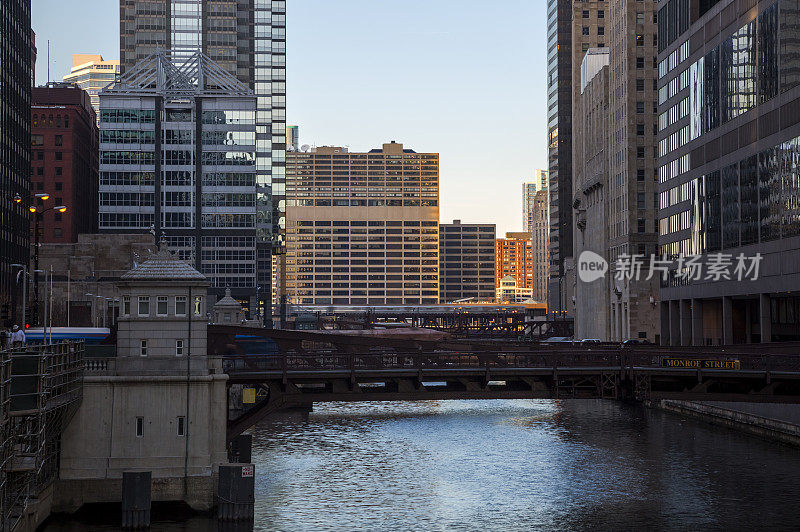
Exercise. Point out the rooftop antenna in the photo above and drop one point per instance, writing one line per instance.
(48, 60)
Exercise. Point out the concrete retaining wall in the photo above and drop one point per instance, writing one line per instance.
(770, 429)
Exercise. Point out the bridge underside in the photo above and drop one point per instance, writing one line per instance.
(300, 389)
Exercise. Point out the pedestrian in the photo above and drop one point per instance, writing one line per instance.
(17, 336)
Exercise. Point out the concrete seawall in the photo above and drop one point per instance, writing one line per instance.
(765, 427)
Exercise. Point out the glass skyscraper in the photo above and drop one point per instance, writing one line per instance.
(248, 39)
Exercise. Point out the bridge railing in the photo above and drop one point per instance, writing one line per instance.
(572, 357)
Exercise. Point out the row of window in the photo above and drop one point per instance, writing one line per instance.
(178, 305)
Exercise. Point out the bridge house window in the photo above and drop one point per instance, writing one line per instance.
(143, 348)
(180, 305)
(139, 427)
(126, 305)
(181, 426)
(178, 348)
(144, 305)
(161, 306)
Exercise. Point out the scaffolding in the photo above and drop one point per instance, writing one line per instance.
(41, 387)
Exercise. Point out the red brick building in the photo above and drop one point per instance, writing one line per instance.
(514, 257)
(64, 161)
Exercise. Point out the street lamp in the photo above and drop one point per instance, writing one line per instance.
(38, 212)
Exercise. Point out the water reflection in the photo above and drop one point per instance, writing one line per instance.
(514, 465)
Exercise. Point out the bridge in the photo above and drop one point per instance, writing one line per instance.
(313, 366)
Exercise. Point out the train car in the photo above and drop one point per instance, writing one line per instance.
(90, 335)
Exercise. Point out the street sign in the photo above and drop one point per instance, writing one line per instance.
(248, 471)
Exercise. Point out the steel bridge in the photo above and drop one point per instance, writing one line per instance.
(312, 366)
(40, 390)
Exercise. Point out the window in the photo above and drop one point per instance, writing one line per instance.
(57, 216)
(585, 30)
(59, 156)
(641, 226)
(178, 348)
(57, 233)
(198, 305)
(58, 170)
(601, 13)
(139, 427)
(181, 426)
(639, 108)
(639, 85)
(601, 30)
(639, 39)
(143, 348)
(640, 129)
(640, 152)
(640, 17)
(640, 62)
(585, 46)
(180, 306)
(640, 174)
(126, 305)
(40, 170)
(585, 13)
(144, 306)
(39, 155)
(59, 140)
(59, 186)
(640, 200)
(161, 306)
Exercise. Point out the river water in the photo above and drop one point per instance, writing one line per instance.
(511, 465)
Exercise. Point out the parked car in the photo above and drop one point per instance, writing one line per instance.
(591, 341)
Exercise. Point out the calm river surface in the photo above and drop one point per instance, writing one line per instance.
(511, 465)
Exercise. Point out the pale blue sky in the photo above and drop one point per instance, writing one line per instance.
(465, 78)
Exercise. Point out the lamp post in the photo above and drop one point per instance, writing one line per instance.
(38, 212)
(24, 271)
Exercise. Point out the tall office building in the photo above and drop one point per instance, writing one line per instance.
(729, 182)
(177, 157)
(64, 140)
(514, 257)
(529, 190)
(466, 262)
(573, 26)
(92, 73)
(615, 176)
(16, 58)
(293, 138)
(536, 221)
(591, 187)
(363, 228)
(248, 39)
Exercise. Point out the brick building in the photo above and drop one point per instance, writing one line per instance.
(514, 257)
(64, 164)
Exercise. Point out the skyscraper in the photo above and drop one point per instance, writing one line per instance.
(293, 138)
(363, 228)
(177, 157)
(729, 182)
(92, 73)
(466, 261)
(248, 39)
(573, 26)
(16, 65)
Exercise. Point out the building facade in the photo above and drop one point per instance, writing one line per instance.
(590, 187)
(363, 228)
(729, 135)
(293, 138)
(16, 53)
(248, 40)
(64, 140)
(514, 257)
(466, 262)
(508, 291)
(177, 158)
(93, 74)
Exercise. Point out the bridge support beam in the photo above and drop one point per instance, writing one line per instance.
(697, 322)
(664, 323)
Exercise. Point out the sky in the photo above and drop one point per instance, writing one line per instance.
(463, 78)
